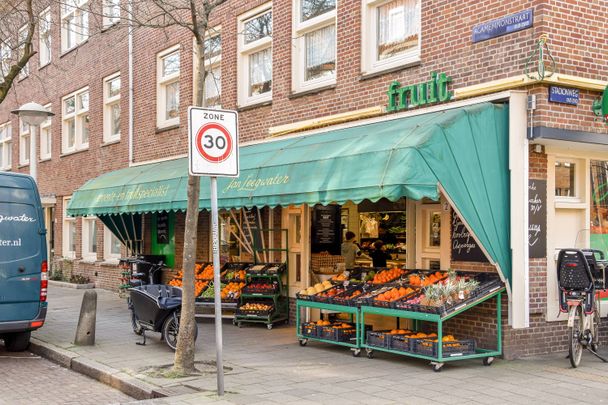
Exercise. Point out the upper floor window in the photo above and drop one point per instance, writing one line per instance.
(22, 38)
(167, 95)
(44, 37)
(74, 24)
(24, 143)
(255, 55)
(75, 127)
(46, 137)
(314, 61)
(111, 108)
(5, 146)
(213, 70)
(391, 34)
(111, 12)
(5, 58)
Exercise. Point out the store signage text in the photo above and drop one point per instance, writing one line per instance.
(563, 95)
(251, 183)
(600, 107)
(502, 26)
(415, 95)
(140, 193)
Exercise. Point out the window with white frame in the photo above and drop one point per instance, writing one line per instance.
(69, 232)
(24, 143)
(75, 125)
(5, 58)
(44, 37)
(89, 238)
(74, 23)
(22, 38)
(111, 108)
(391, 34)
(314, 61)
(213, 70)
(111, 12)
(566, 178)
(46, 137)
(111, 249)
(255, 55)
(5, 146)
(167, 95)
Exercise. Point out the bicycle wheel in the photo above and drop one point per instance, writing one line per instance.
(575, 335)
(595, 327)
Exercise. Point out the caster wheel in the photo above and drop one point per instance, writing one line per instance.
(594, 347)
(234, 322)
(303, 342)
(370, 353)
(488, 361)
(356, 352)
(269, 326)
(437, 367)
(239, 324)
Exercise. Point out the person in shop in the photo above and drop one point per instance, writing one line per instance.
(379, 255)
(350, 251)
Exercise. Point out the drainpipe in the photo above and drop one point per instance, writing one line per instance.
(130, 68)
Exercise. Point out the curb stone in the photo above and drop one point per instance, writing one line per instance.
(121, 381)
(64, 284)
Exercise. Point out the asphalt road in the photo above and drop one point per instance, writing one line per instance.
(28, 379)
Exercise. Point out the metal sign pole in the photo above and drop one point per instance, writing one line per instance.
(216, 287)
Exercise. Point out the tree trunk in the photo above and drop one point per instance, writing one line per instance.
(184, 354)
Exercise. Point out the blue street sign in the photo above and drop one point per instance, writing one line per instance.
(502, 26)
(563, 95)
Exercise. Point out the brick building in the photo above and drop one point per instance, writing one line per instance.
(304, 66)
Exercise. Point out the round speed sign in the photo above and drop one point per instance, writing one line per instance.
(214, 142)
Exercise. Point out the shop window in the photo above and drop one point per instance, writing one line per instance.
(24, 143)
(168, 71)
(385, 221)
(74, 24)
(22, 38)
(44, 37)
(565, 179)
(255, 55)
(75, 127)
(5, 146)
(391, 34)
(314, 61)
(46, 137)
(599, 205)
(69, 232)
(111, 12)
(89, 239)
(111, 108)
(111, 246)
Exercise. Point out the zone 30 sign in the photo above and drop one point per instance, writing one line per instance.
(213, 142)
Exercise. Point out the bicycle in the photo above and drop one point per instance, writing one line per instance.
(579, 275)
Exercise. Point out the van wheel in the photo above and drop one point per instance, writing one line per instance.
(17, 342)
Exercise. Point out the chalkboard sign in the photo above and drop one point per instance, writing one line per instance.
(249, 223)
(537, 218)
(326, 234)
(162, 228)
(464, 246)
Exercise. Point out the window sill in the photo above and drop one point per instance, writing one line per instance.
(73, 152)
(107, 27)
(43, 66)
(575, 205)
(373, 73)
(253, 106)
(48, 159)
(165, 129)
(88, 260)
(67, 51)
(22, 165)
(316, 90)
(109, 263)
(108, 143)
(22, 78)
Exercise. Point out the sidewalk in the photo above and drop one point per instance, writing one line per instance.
(269, 366)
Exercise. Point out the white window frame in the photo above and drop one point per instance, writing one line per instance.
(244, 50)
(579, 181)
(6, 142)
(212, 63)
(110, 7)
(21, 37)
(161, 88)
(108, 103)
(108, 256)
(46, 128)
(87, 252)
(298, 62)
(74, 9)
(369, 41)
(77, 115)
(24, 146)
(67, 221)
(44, 37)
(5, 58)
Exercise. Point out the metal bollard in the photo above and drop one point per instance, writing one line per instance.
(85, 331)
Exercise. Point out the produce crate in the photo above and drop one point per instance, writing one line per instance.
(450, 349)
(379, 338)
(304, 297)
(309, 329)
(249, 289)
(242, 312)
(393, 304)
(235, 266)
(401, 343)
(342, 298)
(275, 268)
(255, 269)
(338, 334)
(339, 288)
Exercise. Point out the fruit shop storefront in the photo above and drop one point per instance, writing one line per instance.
(452, 163)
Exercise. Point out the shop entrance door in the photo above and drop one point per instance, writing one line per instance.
(432, 237)
(296, 220)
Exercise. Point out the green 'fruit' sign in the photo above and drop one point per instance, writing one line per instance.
(600, 107)
(419, 94)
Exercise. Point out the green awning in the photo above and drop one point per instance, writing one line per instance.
(465, 150)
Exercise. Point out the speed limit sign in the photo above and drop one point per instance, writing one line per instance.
(213, 142)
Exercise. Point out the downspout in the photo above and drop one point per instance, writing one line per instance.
(130, 68)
